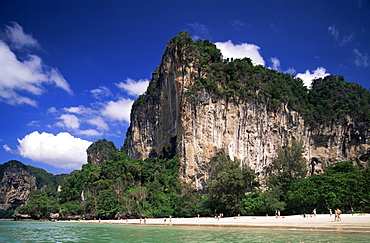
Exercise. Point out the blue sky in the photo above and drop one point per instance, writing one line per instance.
(70, 70)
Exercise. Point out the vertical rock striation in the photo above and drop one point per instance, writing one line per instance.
(198, 126)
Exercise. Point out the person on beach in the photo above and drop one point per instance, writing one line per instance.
(337, 215)
(314, 212)
(330, 212)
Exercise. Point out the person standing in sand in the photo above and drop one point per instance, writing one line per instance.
(338, 215)
(330, 212)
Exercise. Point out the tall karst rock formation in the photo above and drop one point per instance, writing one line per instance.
(198, 105)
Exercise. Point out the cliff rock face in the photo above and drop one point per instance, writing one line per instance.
(201, 125)
(16, 182)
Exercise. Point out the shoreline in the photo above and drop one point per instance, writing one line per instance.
(322, 222)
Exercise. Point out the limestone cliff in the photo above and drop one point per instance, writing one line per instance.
(198, 123)
(15, 185)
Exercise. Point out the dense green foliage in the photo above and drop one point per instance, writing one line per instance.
(342, 186)
(45, 179)
(332, 97)
(287, 168)
(151, 188)
(40, 204)
(124, 187)
(228, 185)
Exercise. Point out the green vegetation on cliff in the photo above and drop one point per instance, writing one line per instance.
(329, 98)
(43, 178)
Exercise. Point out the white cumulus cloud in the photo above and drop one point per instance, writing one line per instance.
(118, 110)
(61, 150)
(132, 87)
(230, 50)
(28, 75)
(307, 77)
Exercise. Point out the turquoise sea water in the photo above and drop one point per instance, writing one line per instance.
(27, 231)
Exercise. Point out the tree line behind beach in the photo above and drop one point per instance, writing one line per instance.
(126, 188)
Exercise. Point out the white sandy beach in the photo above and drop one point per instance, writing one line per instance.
(356, 222)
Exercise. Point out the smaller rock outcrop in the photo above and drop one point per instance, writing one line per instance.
(100, 151)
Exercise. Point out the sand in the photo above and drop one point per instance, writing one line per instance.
(356, 222)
